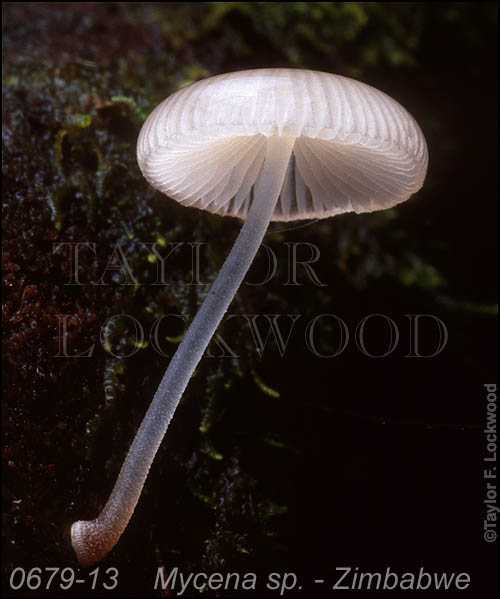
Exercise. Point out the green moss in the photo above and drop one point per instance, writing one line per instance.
(78, 81)
(264, 387)
(416, 272)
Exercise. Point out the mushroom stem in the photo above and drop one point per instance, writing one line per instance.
(93, 539)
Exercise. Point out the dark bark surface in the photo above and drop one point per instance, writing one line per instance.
(293, 463)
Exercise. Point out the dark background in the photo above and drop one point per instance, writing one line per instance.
(359, 462)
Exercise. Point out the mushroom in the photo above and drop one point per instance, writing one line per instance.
(262, 145)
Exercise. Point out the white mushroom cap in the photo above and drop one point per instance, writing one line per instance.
(356, 149)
